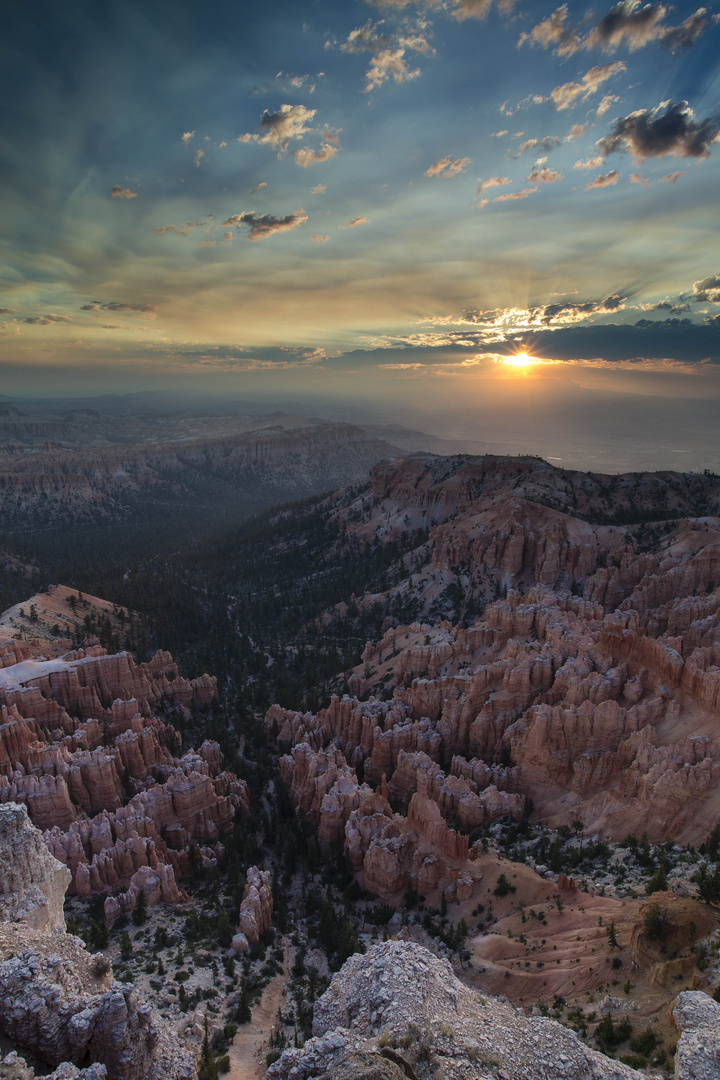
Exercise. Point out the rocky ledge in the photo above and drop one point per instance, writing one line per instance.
(56, 1000)
(400, 1011)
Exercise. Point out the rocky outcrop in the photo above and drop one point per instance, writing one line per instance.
(400, 997)
(54, 1000)
(14, 1067)
(697, 1017)
(32, 882)
(257, 905)
(42, 1007)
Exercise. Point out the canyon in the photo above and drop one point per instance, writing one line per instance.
(544, 683)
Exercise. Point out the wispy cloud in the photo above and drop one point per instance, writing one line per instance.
(540, 173)
(546, 144)
(512, 196)
(319, 238)
(355, 222)
(604, 180)
(281, 127)
(388, 52)
(261, 226)
(119, 192)
(304, 156)
(445, 167)
(491, 182)
(118, 305)
(319, 189)
(572, 93)
(186, 136)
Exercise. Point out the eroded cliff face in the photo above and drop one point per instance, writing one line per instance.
(55, 1000)
(82, 748)
(32, 882)
(589, 684)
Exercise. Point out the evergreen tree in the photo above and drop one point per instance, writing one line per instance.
(244, 1011)
(139, 915)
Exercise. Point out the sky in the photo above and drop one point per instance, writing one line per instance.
(384, 198)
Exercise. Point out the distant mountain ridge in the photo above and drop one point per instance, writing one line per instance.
(84, 466)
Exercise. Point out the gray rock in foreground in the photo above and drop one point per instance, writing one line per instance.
(400, 998)
(698, 1051)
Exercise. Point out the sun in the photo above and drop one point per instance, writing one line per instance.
(519, 360)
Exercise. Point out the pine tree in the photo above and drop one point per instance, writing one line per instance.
(244, 1011)
(139, 915)
(207, 1066)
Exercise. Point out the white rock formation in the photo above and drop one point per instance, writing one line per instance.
(32, 881)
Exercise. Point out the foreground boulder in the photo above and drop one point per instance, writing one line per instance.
(400, 1010)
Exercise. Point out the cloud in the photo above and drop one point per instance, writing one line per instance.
(118, 305)
(46, 320)
(562, 314)
(319, 189)
(319, 239)
(262, 226)
(355, 222)
(540, 174)
(570, 93)
(123, 193)
(471, 9)
(590, 163)
(547, 143)
(181, 230)
(458, 9)
(258, 187)
(445, 168)
(499, 134)
(304, 156)
(492, 181)
(512, 196)
(388, 52)
(186, 136)
(7, 311)
(707, 290)
(685, 35)
(605, 180)
(637, 178)
(672, 177)
(606, 103)
(628, 24)
(554, 33)
(670, 128)
(500, 324)
(281, 127)
(199, 155)
(667, 305)
(576, 131)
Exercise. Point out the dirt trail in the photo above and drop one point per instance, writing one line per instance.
(250, 1045)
